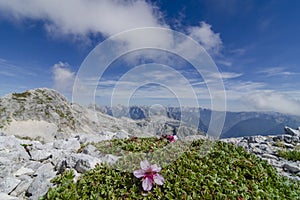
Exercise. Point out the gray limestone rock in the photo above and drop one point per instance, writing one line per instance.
(40, 155)
(278, 138)
(12, 148)
(8, 184)
(270, 156)
(61, 166)
(34, 165)
(89, 138)
(71, 145)
(243, 144)
(288, 139)
(295, 139)
(92, 150)
(257, 151)
(121, 135)
(255, 139)
(21, 189)
(22, 171)
(4, 196)
(86, 162)
(264, 147)
(41, 182)
(291, 168)
(291, 131)
(195, 137)
(110, 159)
(289, 146)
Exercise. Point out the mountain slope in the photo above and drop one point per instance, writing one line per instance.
(44, 113)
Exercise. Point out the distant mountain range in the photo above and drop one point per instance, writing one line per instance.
(237, 124)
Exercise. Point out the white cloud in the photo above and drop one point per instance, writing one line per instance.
(273, 101)
(81, 17)
(63, 77)
(226, 75)
(204, 34)
(255, 96)
(245, 86)
(277, 71)
(224, 62)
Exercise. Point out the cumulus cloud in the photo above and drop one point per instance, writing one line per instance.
(81, 17)
(204, 34)
(63, 77)
(272, 101)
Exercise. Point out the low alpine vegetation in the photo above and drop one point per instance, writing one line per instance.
(293, 155)
(225, 172)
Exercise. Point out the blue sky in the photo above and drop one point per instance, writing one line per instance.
(255, 45)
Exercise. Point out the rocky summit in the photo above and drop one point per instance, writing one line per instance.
(42, 135)
(44, 114)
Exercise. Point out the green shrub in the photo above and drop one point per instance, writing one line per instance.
(280, 144)
(116, 146)
(226, 172)
(293, 155)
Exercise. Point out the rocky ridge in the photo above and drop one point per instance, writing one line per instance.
(44, 114)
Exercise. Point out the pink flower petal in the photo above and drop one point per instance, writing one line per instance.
(139, 173)
(155, 168)
(147, 184)
(145, 165)
(158, 179)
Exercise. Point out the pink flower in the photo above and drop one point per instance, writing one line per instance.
(172, 138)
(150, 175)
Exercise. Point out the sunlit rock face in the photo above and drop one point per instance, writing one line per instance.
(45, 114)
